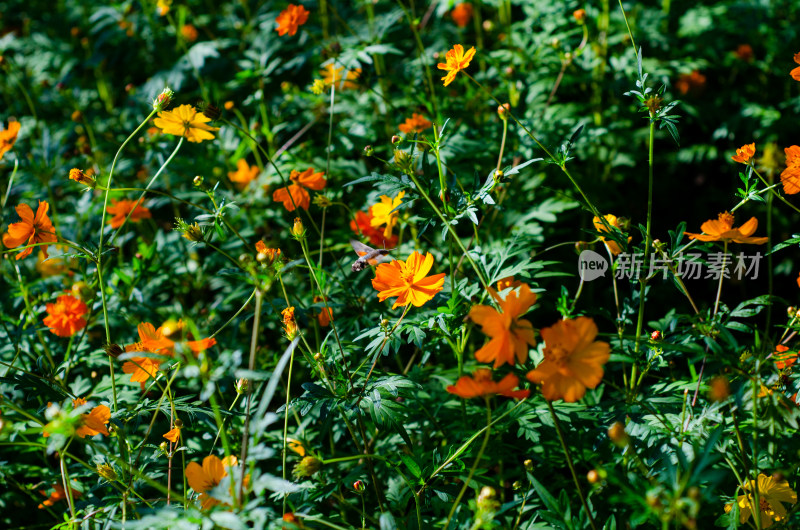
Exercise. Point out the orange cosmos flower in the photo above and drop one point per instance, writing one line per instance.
(481, 385)
(189, 32)
(406, 280)
(208, 477)
(415, 124)
(296, 195)
(151, 340)
(722, 230)
(95, 422)
(510, 335)
(383, 213)
(362, 226)
(325, 315)
(185, 121)
(173, 435)
(456, 60)
(290, 19)
(790, 177)
(65, 317)
(8, 137)
(744, 153)
(198, 346)
(693, 82)
(783, 359)
(796, 72)
(744, 52)
(579, 15)
(572, 361)
(289, 322)
(462, 14)
(121, 209)
(612, 220)
(508, 282)
(330, 75)
(30, 230)
(59, 494)
(244, 174)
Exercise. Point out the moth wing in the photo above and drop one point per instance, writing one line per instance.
(360, 248)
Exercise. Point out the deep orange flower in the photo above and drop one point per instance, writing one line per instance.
(330, 75)
(456, 60)
(406, 280)
(579, 15)
(693, 82)
(121, 209)
(326, 313)
(510, 335)
(59, 494)
(289, 322)
(794, 73)
(462, 14)
(508, 281)
(481, 384)
(30, 230)
(612, 220)
(189, 32)
(573, 361)
(415, 124)
(290, 19)
(198, 346)
(65, 317)
(790, 177)
(94, 422)
(722, 229)
(744, 52)
(362, 226)
(744, 153)
(173, 435)
(296, 195)
(8, 137)
(783, 359)
(384, 214)
(151, 340)
(207, 477)
(244, 174)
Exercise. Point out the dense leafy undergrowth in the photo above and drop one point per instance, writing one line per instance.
(500, 264)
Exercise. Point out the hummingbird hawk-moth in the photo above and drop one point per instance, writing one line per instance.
(367, 255)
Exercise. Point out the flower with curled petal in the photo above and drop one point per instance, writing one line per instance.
(456, 60)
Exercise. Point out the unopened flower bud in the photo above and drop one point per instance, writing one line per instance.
(242, 385)
(502, 110)
(498, 175)
(396, 140)
(368, 150)
(528, 465)
(306, 467)
(76, 116)
(79, 176)
(298, 230)
(193, 232)
(593, 477)
(618, 435)
(162, 101)
(579, 15)
(517, 485)
(655, 336)
(322, 201)
(113, 350)
(318, 356)
(107, 472)
(197, 181)
(359, 486)
(178, 424)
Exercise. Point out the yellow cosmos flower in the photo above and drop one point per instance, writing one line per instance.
(187, 122)
(456, 60)
(771, 493)
(383, 214)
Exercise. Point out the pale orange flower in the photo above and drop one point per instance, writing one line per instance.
(330, 75)
(790, 177)
(722, 229)
(744, 153)
(510, 335)
(120, 210)
(30, 230)
(415, 124)
(198, 346)
(65, 317)
(406, 280)
(612, 220)
(173, 435)
(795, 73)
(94, 422)
(481, 384)
(208, 476)
(151, 340)
(8, 137)
(362, 226)
(573, 361)
(244, 174)
(783, 359)
(290, 19)
(185, 121)
(456, 60)
(296, 196)
(462, 14)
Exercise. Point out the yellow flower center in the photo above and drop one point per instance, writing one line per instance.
(559, 355)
